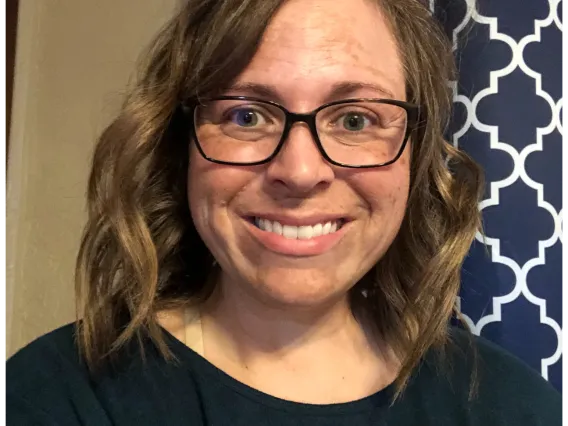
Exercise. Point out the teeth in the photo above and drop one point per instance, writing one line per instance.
(297, 232)
(305, 232)
(267, 225)
(276, 227)
(289, 232)
(317, 230)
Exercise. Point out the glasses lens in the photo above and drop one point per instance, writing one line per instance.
(238, 131)
(362, 133)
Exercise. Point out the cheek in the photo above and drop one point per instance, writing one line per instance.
(401, 181)
(198, 188)
(386, 190)
(206, 192)
(212, 187)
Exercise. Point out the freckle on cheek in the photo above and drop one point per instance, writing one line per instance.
(403, 161)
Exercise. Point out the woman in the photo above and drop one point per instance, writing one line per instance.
(276, 229)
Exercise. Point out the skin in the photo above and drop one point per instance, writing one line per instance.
(282, 323)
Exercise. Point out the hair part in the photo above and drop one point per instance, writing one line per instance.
(140, 252)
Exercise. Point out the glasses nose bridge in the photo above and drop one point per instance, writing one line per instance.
(308, 118)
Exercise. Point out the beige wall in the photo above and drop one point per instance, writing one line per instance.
(73, 61)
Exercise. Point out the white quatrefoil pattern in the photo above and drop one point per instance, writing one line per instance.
(508, 116)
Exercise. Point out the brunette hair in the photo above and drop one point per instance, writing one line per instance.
(140, 252)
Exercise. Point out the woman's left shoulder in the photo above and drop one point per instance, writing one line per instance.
(504, 382)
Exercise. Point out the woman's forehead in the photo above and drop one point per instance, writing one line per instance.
(312, 45)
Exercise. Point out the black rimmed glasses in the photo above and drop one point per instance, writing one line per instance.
(356, 133)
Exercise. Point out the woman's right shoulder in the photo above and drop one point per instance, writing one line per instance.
(46, 381)
(43, 360)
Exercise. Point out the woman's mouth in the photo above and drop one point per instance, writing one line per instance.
(303, 232)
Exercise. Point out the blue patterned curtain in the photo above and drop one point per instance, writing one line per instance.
(508, 104)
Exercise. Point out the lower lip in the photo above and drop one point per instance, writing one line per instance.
(295, 247)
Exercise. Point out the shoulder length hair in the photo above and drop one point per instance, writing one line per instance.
(140, 252)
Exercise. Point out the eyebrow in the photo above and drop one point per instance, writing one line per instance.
(337, 91)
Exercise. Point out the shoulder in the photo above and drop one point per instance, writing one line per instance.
(506, 386)
(43, 360)
(47, 381)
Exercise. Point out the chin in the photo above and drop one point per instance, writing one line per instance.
(299, 287)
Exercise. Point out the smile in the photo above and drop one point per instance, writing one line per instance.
(298, 236)
(304, 232)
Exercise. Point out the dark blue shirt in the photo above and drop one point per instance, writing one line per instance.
(48, 384)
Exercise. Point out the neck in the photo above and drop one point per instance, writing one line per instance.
(317, 354)
(250, 330)
(307, 354)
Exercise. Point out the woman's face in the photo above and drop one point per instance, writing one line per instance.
(309, 49)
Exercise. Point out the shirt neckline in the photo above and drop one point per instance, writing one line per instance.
(201, 366)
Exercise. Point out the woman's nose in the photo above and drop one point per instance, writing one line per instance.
(300, 167)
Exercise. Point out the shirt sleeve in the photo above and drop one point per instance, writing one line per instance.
(47, 385)
(19, 412)
(511, 392)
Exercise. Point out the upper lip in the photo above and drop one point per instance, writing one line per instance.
(306, 220)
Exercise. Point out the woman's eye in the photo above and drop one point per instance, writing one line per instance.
(355, 122)
(247, 118)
